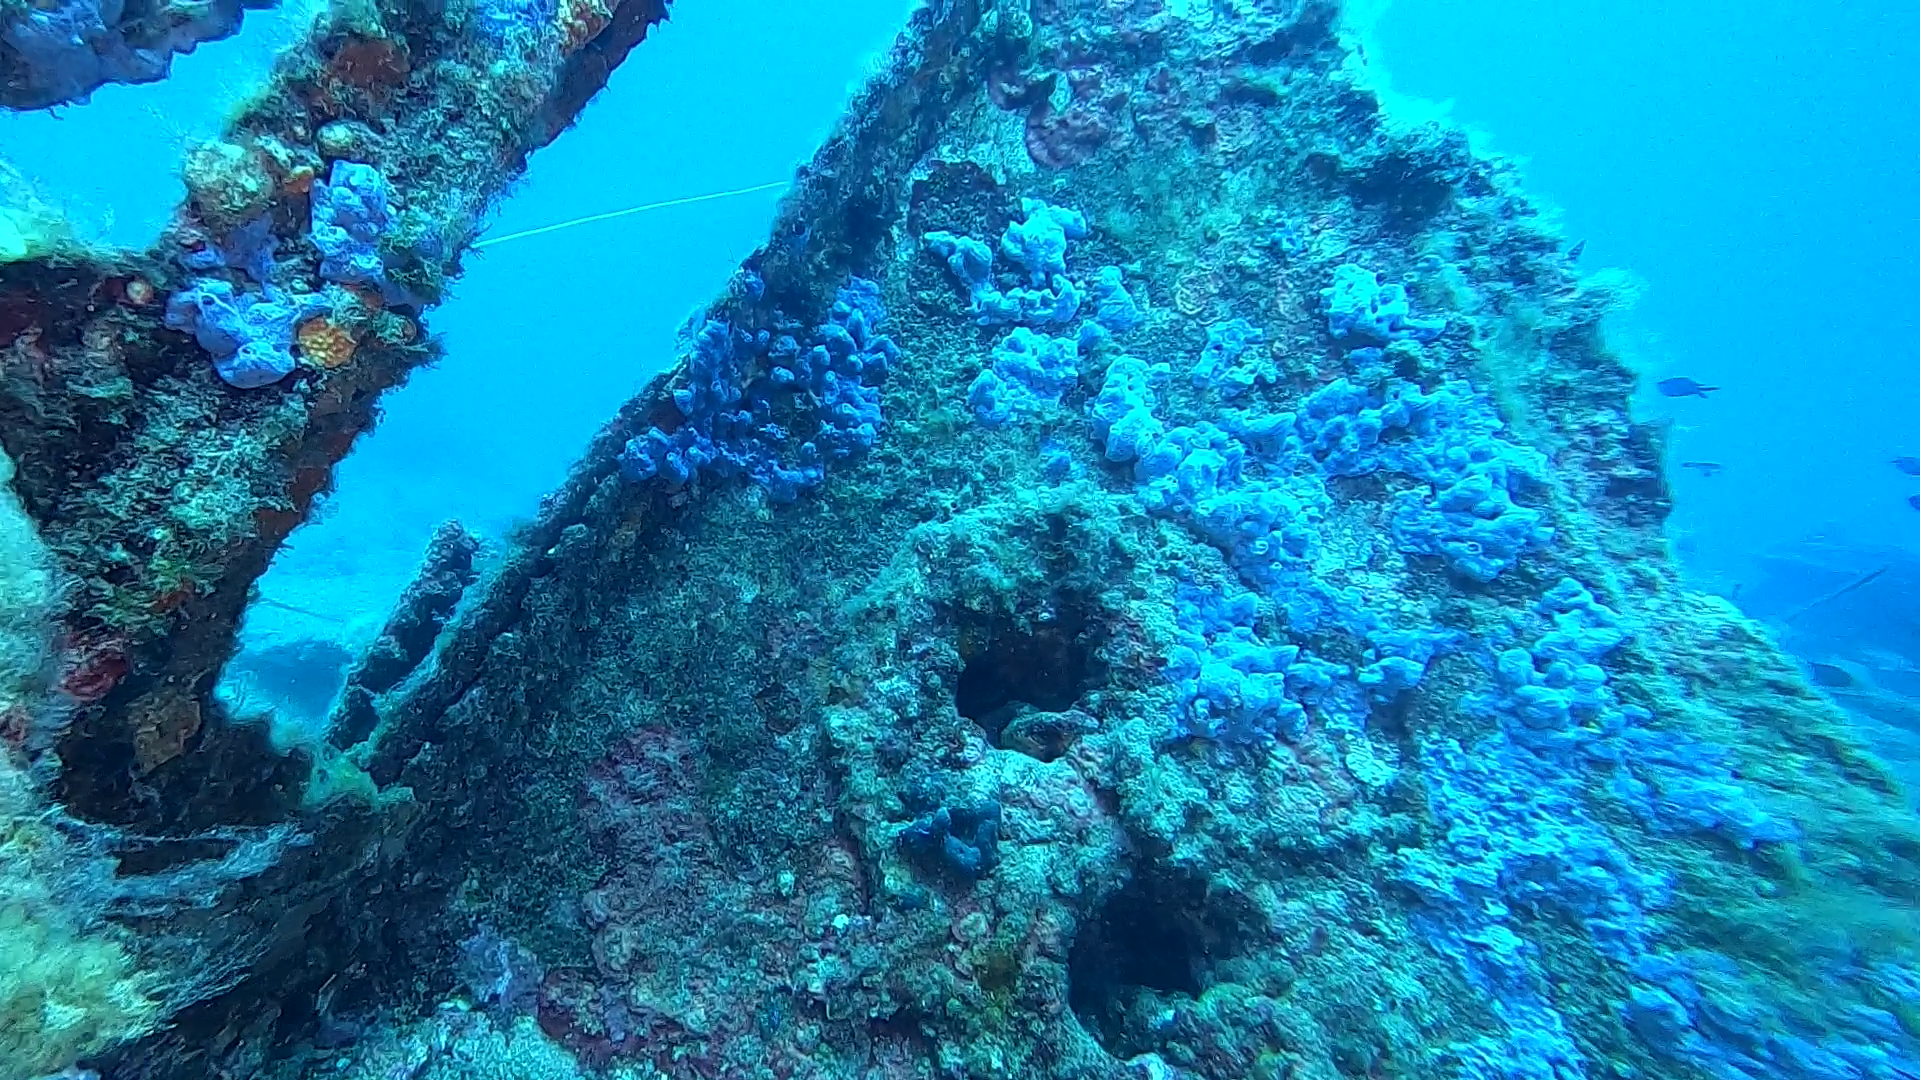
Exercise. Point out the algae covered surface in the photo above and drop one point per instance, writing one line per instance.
(1164, 580)
(1150, 573)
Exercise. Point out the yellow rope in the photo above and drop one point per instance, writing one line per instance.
(610, 215)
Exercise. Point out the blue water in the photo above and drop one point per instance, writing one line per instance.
(1752, 164)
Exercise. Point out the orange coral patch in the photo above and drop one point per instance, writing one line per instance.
(325, 343)
(299, 181)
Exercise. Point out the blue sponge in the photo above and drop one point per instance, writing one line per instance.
(971, 262)
(1231, 681)
(350, 216)
(733, 418)
(249, 334)
(1040, 242)
(962, 840)
(1122, 414)
(249, 247)
(1358, 305)
(1039, 245)
(1114, 306)
(1471, 520)
(1220, 366)
(1029, 371)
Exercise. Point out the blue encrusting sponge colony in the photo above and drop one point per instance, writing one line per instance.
(246, 321)
(1282, 650)
(750, 391)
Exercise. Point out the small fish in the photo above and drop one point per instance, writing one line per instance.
(1683, 387)
(1908, 464)
(1574, 252)
(1704, 468)
(1914, 501)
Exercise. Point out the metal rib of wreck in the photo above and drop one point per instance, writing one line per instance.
(156, 454)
